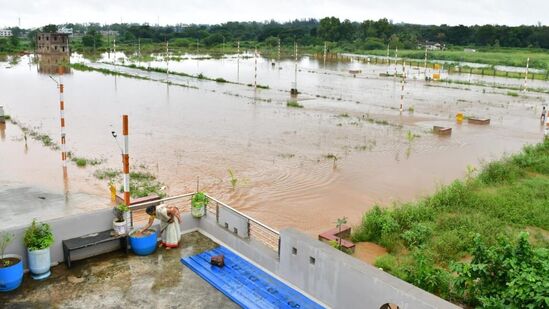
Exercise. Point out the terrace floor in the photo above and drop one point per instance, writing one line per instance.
(115, 280)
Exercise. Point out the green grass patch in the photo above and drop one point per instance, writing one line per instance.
(427, 238)
(512, 94)
(293, 104)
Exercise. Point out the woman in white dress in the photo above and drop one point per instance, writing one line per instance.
(169, 224)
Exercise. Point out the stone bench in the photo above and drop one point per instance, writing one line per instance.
(90, 240)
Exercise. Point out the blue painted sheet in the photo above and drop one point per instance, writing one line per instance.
(245, 284)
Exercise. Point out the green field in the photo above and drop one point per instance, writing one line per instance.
(482, 241)
(516, 57)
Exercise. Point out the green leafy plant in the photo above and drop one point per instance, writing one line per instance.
(232, 179)
(119, 212)
(340, 222)
(38, 236)
(5, 239)
(505, 275)
(199, 200)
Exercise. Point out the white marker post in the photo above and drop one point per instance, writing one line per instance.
(279, 47)
(255, 68)
(295, 68)
(396, 59)
(325, 51)
(526, 75)
(402, 86)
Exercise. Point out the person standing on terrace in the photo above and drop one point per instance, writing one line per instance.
(169, 224)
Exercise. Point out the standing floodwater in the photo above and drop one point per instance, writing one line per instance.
(346, 149)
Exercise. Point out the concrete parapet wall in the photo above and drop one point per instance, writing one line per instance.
(320, 271)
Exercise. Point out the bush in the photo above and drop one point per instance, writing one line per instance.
(417, 234)
(38, 236)
(378, 225)
(505, 275)
(500, 172)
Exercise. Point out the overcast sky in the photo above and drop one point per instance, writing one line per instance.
(34, 13)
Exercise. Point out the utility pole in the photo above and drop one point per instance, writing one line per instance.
(238, 61)
(255, 68)
(279, 51)
(526, 75)
(402, 86)
(295, 69)
(325, 51)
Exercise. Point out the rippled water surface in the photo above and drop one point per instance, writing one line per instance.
(282, 157)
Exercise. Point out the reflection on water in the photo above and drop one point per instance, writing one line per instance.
(50, 63)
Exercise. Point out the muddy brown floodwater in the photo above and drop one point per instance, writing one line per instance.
(282, 158)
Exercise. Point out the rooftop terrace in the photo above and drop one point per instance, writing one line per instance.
(321, 273)
(115, 280)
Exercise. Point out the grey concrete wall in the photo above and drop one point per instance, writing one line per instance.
(342, 281)
(249, 248)
(335, 279)
(80, 225)
(66, 228)
(233, 222)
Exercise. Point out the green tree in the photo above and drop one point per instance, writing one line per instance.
(49, 28)
(92, 39)
(328, 28)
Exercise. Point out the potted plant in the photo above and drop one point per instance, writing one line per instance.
(38, 239)
(120, 222)
(198, 204)
(11, 266)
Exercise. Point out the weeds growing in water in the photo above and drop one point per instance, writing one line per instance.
(233, 180)
(411, 109)
(512, 93)
(220, 80)
(293, 104)
(142, 183)
(425, 239)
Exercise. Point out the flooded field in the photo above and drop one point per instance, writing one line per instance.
(345, 150)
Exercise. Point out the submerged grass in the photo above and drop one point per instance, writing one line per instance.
(142, 183)
(505, 198)
(293, 104)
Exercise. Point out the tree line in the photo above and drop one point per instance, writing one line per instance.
(368, 34)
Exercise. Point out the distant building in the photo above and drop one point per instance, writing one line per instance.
(65, 30)
(5, 33)
(109, 33)
(469, 50)
(433, 46)
(52, 43)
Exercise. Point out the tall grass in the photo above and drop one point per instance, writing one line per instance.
(505, 198)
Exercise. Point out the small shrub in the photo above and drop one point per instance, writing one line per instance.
(500, 172)
(417, 234)
(220, 80)
(38, 236)
(81, 162)
(293, 104)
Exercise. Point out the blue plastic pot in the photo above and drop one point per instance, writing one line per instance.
(11, 276)
(143, 245)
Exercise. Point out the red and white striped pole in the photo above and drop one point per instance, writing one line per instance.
(126, 160)
(62, 115)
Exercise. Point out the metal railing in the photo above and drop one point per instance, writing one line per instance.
(256, 229)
